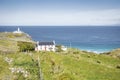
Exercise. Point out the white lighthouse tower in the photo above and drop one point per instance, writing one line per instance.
(18, 31)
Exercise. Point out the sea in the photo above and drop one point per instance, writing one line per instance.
(96, 39)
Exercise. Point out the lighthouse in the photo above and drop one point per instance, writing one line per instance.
(18, 31)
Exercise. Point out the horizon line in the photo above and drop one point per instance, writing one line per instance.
(55, 25)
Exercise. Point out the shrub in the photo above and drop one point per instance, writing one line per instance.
(88, 56)
(76, 52)
(98, 61)
(118, 66)
(25, 46)
(65, 76)
(58, 48)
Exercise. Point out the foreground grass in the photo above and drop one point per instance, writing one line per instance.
(61, 66)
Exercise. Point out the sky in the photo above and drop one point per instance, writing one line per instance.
(60, 12)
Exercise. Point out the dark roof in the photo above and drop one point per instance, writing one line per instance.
(46, 43)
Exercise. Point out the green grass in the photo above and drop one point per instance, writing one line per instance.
(70, 65)
(55, 66)
(4, 68)
(8, 46)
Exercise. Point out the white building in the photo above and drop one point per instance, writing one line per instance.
(45, 46)
(18, 31)
(63, 48)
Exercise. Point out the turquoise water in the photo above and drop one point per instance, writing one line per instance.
(91, 38)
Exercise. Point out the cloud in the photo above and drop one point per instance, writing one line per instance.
(95, 17)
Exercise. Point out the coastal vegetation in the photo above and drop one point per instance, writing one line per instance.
(25, 46)
(73, 64)
(59, 48)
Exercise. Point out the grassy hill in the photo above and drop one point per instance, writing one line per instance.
(70, 65)
(8, 41)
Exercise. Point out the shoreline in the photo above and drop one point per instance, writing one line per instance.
(97, 51)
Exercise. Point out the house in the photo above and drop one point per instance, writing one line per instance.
(45, 46)
(18, 31)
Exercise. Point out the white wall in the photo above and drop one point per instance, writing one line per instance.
(45, 48)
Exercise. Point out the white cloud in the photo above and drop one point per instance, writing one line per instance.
(97, 17)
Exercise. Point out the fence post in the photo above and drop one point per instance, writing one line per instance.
(39, 68)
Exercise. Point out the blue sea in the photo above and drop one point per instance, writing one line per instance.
(91, 38)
